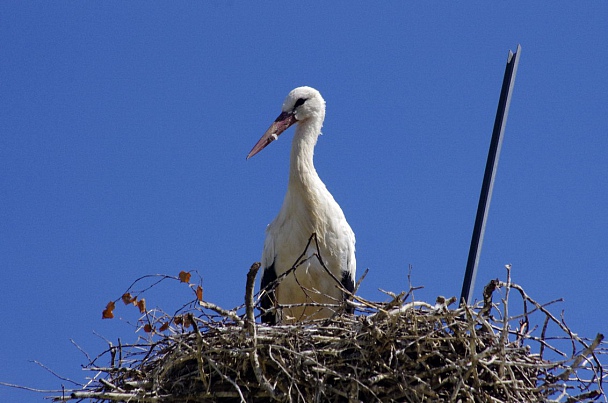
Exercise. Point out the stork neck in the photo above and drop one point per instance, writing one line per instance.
(302, 170)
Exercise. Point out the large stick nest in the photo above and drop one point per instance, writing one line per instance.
(395, 351)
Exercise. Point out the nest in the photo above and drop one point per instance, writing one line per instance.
(396, 351)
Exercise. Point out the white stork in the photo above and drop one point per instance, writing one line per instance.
(308, 208)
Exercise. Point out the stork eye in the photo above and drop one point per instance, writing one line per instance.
(299, 102)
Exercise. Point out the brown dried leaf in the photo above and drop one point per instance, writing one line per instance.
(127, 299)
(186, 321)
(141, 304)
(148, 328)
(184, 276)
(199, 293)
(108, 312)
(178, 320)
(164, 327)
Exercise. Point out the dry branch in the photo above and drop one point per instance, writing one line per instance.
(395, 351)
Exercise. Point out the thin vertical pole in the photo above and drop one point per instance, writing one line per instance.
(489, 175)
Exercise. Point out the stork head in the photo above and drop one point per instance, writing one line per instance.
(302, 104)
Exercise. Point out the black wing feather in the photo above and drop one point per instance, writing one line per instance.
(348, 282)
(269, 275)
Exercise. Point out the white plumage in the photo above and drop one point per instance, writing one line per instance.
(308, 208)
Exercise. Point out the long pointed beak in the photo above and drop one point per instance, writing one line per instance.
(282, 123)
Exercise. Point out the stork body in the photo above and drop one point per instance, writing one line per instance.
(308, 208)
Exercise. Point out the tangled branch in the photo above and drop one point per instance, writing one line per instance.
(399, 350)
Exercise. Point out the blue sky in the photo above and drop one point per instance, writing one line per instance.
(125, 126)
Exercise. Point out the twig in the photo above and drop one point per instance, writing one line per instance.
(505, 323)
(228, 314)
(252, 330)
(30, 389)
(56, 374)
(249, 305)
(582, 356)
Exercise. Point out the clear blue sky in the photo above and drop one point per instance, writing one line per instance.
(124, 128)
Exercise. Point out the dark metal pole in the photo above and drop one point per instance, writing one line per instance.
(488, 178)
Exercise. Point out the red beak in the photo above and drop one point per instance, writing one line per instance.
(282, 123)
